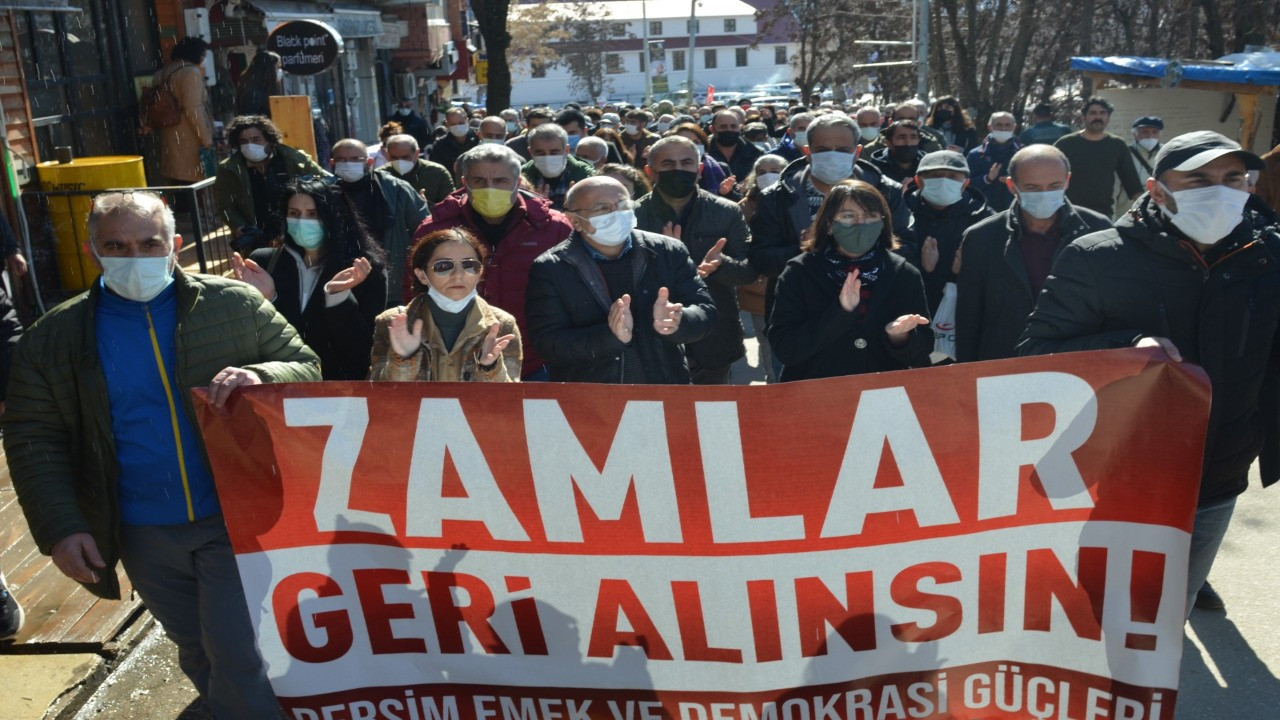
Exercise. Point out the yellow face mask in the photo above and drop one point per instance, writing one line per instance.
(492, 202)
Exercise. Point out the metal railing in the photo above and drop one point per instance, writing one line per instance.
(206, 237)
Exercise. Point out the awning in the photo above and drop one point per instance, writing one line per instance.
(38, 5)
(358, 21)
(351, 21)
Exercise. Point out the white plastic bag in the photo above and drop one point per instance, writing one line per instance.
(944, 326)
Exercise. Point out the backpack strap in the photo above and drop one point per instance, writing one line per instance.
(275, 258)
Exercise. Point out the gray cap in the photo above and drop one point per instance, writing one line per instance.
(1194, 149)
(610, 119)
(943, 160)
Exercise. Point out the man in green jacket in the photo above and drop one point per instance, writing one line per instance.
(247, 186)
(432, 180)
(102, 445)
(553, 169)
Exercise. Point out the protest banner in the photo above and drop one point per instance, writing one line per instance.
(987, 540)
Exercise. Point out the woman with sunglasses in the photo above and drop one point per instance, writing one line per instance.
(327, 277)
(448, 332)
(848, 304)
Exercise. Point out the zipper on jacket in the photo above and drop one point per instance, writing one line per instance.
(173, 414)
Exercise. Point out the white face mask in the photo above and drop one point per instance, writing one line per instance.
(631, 129)
(614, 228)
(831, 166)
(349, 171)
(868, 133)
(942, 192)
(512, 127)
(663, 126)
(460, 130)
(1207, 214)
(1002, 136)
(1042, 205)
(136, 278)
(802, 138)
(493, 141)
(447, 304)
(550, 165)
(403, 166)
(404, 111)
(253, 152)
(764, 180)
(1148, 144)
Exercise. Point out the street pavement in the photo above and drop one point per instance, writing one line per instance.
(1230, 665)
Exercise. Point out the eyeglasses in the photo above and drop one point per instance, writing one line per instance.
(445, 267)
(604, 209)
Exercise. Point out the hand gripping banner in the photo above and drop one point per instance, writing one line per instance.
(991, 540)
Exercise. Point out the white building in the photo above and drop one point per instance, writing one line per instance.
(722, 53)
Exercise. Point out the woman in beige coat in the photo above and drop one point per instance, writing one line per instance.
(447, 333)
(181, 144)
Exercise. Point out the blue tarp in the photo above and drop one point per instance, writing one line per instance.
(1248, 69)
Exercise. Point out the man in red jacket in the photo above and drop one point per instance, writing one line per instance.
(517, 226)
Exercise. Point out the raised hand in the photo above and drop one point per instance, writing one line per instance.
(671, 230)
(726, 187)
(493, 346)
(405, 342)
(929, 254)
(899, 329)
(711, 262)
(620, 321)
(994, 172)
(955, 263)
(851, 292)
(250, 272)
(666, 314)
(349, 278)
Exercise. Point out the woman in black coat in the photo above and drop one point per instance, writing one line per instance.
(848, 304)
(328, 276)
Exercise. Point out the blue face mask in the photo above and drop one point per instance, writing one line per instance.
(308, 233)
(573, 141)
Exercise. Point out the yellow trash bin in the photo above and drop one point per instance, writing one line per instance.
(70, 213)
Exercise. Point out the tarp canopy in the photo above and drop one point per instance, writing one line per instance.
(1241, 69)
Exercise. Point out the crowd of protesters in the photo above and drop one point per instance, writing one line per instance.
(620, 244)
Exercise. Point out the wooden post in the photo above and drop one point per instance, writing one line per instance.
(292, 114)
(1248, 104)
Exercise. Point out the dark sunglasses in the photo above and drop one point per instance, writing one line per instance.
(445, 267)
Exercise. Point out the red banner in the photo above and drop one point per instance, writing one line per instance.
(991, 540)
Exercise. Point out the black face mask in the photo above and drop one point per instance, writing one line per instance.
(725, 138)
(904, 153)
(942, 115)
(677, 183)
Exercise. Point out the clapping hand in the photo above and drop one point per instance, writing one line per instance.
(493, 346)
(251, 272)
(994, 173)
(620, 321)
(712, 261)
(405, 342)
(351, 277)
(671, 230)
(851, 292)
(899, 329)
(666, 314)
(727, 186)
(929, 254)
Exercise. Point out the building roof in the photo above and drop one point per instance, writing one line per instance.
(624, 10)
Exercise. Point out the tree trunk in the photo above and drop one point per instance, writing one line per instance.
(1213, 27)
(1088, 8)
(491, 16)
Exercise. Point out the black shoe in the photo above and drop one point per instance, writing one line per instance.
(1209, 599)
(10, 612)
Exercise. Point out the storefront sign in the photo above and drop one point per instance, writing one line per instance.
(982, 540)
(305, 47)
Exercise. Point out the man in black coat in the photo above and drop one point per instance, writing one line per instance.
(413, 123)
(1192, 270)
(1006, 258)
(943, 206)
(459, 139)
(728, 147)
(715, 233)
(613, 304)
(788, 207)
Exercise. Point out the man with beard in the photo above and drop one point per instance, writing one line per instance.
(1097, 158)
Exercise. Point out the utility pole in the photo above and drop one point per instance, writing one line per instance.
(693, 34)
(922, 51)
(644, 55)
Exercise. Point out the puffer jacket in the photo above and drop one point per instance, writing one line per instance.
(534, 228)
(1142, 278)
(782, 216)
(233, 193)
(707, 220)
(57, 424)
(947, 226)
(568, 305)
(433, 361)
